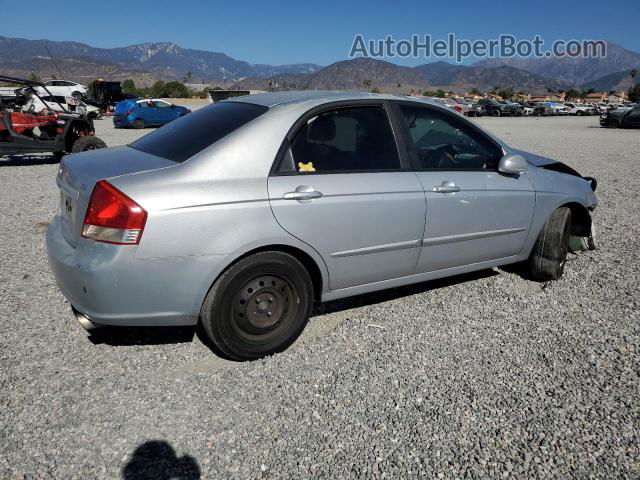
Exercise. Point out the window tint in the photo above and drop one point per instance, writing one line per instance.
(181, 139)
(443, 142)
(348, 139)
(161, 104)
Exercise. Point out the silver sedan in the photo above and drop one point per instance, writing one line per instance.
(243, 214)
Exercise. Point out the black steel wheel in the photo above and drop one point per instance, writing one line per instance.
(262, 306)
(259, 306)
(87, 143)
(138, 123)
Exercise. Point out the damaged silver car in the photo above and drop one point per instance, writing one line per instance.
(241, 215)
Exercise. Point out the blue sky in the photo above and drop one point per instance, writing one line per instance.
(320, 32)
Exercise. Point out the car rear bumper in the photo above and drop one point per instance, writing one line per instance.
(108, 285)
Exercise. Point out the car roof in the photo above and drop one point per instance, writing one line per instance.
(273, 99)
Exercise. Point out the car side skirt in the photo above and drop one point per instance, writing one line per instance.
(417, 278)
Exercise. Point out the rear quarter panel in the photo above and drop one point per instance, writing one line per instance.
(215, 205)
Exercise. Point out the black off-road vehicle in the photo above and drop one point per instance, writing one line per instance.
(45, 131)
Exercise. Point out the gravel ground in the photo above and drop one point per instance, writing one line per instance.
(480, 376)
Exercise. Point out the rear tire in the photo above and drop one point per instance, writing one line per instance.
(259, 306)
(495, 113)
(84, 144)
(550, 250)
(615, 123)
(138, 123)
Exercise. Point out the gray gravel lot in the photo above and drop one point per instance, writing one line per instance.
(481, 376)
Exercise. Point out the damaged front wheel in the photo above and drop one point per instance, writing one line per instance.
(550, 251)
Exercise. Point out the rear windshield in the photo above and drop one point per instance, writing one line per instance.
(185, 137)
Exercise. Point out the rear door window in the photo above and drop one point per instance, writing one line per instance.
(355, 139)
(183, 138)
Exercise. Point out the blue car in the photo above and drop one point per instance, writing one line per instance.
(148, 112)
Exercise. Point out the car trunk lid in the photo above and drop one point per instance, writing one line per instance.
(80, 172)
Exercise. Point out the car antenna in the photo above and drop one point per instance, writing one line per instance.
(61, 77)
(55, 64)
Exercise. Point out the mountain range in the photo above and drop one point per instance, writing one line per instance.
(164, 59)
(167, 61)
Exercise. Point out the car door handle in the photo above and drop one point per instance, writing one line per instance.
(303, 192)
(446, 187)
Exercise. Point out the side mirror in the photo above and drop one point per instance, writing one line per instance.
(513, 164)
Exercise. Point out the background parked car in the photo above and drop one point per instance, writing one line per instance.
(451, 105)
(71, 104)
(476, 110)
(493, 107)
(558, 108)
(515, 109)
(457, 106)
(528, 108)
(578, 109)
(64, 88)
(464, 106)
(621, 118)
(146, 113)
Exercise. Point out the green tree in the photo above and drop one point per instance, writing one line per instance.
(506, 92)
(34, 77)
(440, 93)
(375, 90)
(367, 84)
(475, 91)
(573, 93)
(158, 89)
(634, 73)
(634, 93)
(429, 93)
(176, 89)
(129, 86)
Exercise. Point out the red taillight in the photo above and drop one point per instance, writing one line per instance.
(112, 217)
(458, 108)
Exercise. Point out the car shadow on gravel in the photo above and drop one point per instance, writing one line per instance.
(399, 292)
(157, 460)
(131, 336)
(27, 160)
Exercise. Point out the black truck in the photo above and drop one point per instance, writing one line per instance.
(106, 94)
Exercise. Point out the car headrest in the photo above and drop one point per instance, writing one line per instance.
(322, 129)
